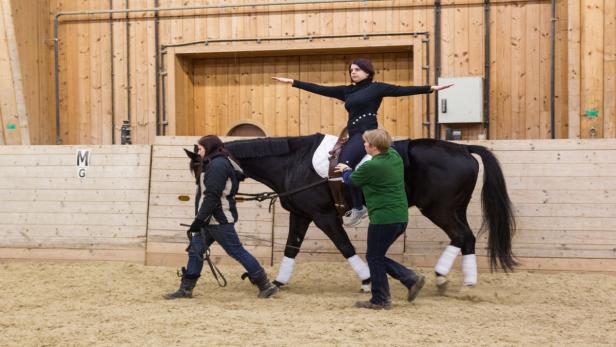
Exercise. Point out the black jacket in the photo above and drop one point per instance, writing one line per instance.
(216, 192)
(362, 100)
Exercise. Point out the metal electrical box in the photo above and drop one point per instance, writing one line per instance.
(462, 103)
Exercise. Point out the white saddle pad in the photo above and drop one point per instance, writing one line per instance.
(320, 159)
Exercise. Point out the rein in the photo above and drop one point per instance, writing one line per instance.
(220, 278)
(273, 195)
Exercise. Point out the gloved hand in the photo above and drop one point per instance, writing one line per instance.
(196, 226)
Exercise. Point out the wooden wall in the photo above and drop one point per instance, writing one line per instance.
(49, 212)
(129, 207)
(515, 113)
(561, 191)
(519, 62)
(592, 66)
(13, 96)
(226, 92)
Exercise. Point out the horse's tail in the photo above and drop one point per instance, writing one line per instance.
(497, 211)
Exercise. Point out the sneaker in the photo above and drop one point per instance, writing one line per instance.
(354, 216)
(370, 305)
(415, 288)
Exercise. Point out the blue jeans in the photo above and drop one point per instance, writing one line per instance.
(226, 236)
(352, 153)
(380, 238)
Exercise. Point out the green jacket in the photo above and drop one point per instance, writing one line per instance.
(382, 181)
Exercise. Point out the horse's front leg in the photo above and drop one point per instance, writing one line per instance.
(332, 227)
(298, 225)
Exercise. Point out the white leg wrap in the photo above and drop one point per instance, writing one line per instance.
(285, 270)
(469, 268)
(361, 269)
(445, 262)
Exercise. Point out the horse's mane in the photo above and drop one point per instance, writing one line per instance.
(266, 147)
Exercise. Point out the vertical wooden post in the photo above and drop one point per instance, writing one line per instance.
(13, 108)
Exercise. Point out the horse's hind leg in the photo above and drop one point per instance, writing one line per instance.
(298, 225)
(469, 259)
(332, 227)
(461, 236)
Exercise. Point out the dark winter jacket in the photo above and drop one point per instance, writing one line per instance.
(215, 200)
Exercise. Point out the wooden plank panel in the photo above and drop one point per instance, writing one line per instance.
(475, 41)
(574, 67)
(404, 67)
(506, 122)
(341, 77)
(418, 107)
(152, 75)
(8, 106)
(527, 263)
(592, 68)
(518, 74)
(304, 97)
(281, 92)
(532, 107)
(544, 72)
(82, 99)
(129, 255)
(461, 41)
(268, 93)
(22, 132)
(327, 106)
(388, 74)
(221, 96)
(95, 126)
(203, 105)
(28, 26)
(609, 69)
(103, 215)
(245, 81)
(561, 78)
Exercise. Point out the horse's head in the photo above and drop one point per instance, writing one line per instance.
(196, 163)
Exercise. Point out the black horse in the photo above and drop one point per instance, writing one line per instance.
(440, 178)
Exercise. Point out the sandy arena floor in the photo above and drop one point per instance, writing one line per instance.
(117, 304)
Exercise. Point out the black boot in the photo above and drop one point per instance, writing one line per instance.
(185, 290)
(266, 288)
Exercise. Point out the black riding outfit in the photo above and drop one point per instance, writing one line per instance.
(362, 101)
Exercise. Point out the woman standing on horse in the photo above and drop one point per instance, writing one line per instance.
(215, 220)
(362, 100)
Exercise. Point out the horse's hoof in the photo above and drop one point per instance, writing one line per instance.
(365, 288)
(278, 284)
(441, 284)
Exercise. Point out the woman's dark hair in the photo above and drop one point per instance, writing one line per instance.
(365, 65)
(213, 147)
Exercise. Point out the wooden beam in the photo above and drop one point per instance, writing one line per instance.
(8, 108)
(341, 46)
(13, 70)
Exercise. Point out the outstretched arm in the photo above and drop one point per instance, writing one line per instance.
(393, 90)
(332, 92)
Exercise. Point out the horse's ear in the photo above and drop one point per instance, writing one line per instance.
(191, 155)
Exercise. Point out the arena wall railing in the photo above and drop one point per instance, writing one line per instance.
(131, 202)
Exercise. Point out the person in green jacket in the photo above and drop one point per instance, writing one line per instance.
(382, 182)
